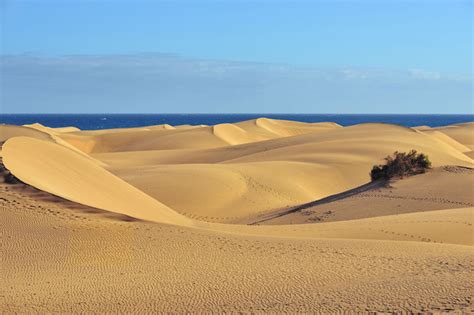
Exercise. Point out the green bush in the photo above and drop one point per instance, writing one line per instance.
(401, 164)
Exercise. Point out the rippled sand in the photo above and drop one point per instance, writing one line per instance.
(154, 219)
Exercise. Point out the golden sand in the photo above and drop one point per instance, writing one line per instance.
(259, 216)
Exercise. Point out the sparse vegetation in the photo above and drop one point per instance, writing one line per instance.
(401, 164)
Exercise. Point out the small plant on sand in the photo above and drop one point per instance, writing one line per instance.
(401, 164)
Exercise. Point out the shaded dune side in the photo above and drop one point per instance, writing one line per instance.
(67, 174)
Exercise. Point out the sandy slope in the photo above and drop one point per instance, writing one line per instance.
(65, 173)
(197, 173)
(441, 188)
(388, 251)
(238, 182)
(166, 137)
(209, 173)
(79, 260)
(37, 131)
(9, 131)
(463, 133)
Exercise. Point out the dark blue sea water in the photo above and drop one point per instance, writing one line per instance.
(105, 121)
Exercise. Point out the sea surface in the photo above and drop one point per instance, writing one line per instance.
(106, 121)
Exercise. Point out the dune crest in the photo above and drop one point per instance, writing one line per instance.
(166, 137)
(62, 172)
(275, 173)
(256, 157)
(10, 131)
(260, 216)
(232, 173)
(53, 130)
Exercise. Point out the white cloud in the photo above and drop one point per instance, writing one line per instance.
(425, 75)
(154, 82)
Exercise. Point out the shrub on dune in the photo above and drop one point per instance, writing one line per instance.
(401, 164)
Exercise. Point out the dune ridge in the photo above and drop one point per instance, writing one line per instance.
(235, 172)
(320, 163)
(54, 169)
(198, 219)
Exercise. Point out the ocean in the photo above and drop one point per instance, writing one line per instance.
(106, 121)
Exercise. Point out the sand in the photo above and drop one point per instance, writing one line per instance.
(424, 192)
(256, 217)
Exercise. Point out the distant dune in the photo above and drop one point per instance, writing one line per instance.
(257, 216)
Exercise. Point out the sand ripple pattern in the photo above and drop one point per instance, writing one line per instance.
(81, 260)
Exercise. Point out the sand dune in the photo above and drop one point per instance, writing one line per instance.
(38, 131)
(81, 261)
(452, 226)
(62, 172)
(211, 174)
(58, 130)
(131, 220)
(463, 133)
(379, 138)
(458, 146)
(442, 188)
(166, 137)
(225, 193)
(237, 182)
(419, 223)
(9, 131)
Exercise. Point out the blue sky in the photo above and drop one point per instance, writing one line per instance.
(237, 56)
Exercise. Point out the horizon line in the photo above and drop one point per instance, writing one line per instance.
(262, 113)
